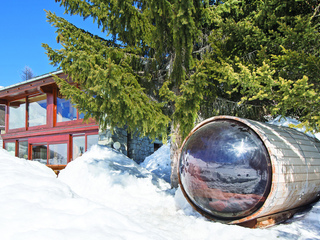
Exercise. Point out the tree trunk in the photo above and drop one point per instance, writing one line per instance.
(176, 141)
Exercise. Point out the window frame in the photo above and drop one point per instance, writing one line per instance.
(26, 116)
(47, 144)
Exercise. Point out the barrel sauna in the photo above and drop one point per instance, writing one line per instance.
(250, 173)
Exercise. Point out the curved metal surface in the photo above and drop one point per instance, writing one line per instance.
(237, 170)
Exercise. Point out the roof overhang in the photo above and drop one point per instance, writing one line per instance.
(41, 84)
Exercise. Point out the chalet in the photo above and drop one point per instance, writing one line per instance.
(42, 125)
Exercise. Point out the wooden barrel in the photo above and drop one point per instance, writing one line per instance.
(240, 171)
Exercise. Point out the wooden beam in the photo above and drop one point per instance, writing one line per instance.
(49, 132)
(46, 88)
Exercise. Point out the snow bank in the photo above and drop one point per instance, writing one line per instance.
(102, 195)
(34, 204)
(116, 182)
(159, 163)
(105, 195)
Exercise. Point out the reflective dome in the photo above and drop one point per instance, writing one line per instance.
(225, 170)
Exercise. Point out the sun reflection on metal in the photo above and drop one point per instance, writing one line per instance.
(239, 148)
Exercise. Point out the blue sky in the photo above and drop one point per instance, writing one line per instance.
(23, 28)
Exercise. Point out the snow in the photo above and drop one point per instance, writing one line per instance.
(288, 121)
(105, 195)
(159, 163)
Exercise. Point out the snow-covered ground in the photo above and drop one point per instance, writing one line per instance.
(105, 195)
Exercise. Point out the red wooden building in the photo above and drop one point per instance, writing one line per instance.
(43, 126)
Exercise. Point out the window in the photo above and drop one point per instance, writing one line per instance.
(37, 112)
(37, 109)
(66, 111)
(79, 143)
(11, 147)
(17, 114)
(23, 150)
(58, 154)
(39, 153)
(92, 140)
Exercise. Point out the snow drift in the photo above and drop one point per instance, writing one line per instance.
(105, 195)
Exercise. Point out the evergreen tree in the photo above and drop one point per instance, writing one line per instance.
(144, 76)
(269, 53)
(164, 59)
(146, 68)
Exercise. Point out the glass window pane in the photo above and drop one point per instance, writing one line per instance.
(81, 115)
(58, 154)
(74, 112)
(23, 150)
(92, 140)
(17, 114)
(11, 148)
(37, 110)
(65, 110)
(78, 146)
(39, 153)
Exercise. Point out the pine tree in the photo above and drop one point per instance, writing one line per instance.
(143, 75)
(145, 68)
(163, 59)
(269, 53)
